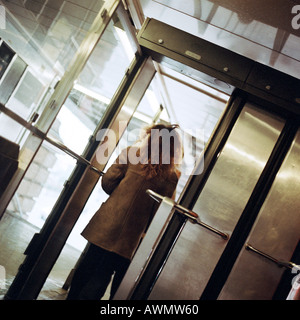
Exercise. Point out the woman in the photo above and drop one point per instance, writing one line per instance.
(117, 228)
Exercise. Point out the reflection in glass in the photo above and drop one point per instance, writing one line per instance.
(94, 88)
(32, 204)
(10, 129)
(6, 55)
(47, 34)
(275, 232)
(27, 95)
(42, 185)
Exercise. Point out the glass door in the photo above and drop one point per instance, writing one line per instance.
(57, 151)
(150, 110)
(70, 42)
(147, 112)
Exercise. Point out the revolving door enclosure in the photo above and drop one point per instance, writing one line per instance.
(244, 163)
(252, 142)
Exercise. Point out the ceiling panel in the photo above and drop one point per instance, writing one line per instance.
(259, 30)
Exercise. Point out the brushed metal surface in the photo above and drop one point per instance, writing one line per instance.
(259, 30)
(276, 233)
(220, 205)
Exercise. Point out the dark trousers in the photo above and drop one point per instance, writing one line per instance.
(94, 273)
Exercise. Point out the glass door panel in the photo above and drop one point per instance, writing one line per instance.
(77, 120)
(53, 100)
(220, 205)
(95, 87)
(276, 233)
(32, 204)
(143, 116)
(27, 95)
(46, 36)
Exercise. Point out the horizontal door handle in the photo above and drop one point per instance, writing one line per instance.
(279, 263)
(188, 213)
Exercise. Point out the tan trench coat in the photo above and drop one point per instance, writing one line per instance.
(120, 222)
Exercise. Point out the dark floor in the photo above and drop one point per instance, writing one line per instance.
(15, 235)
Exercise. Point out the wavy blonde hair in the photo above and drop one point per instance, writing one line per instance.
(162, 150)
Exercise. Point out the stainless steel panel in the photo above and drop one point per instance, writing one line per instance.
(259, 30)
(220, 205)
(276, 233)
(214, 65)
(201, 51)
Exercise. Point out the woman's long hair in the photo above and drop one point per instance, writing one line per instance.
(161, 151)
